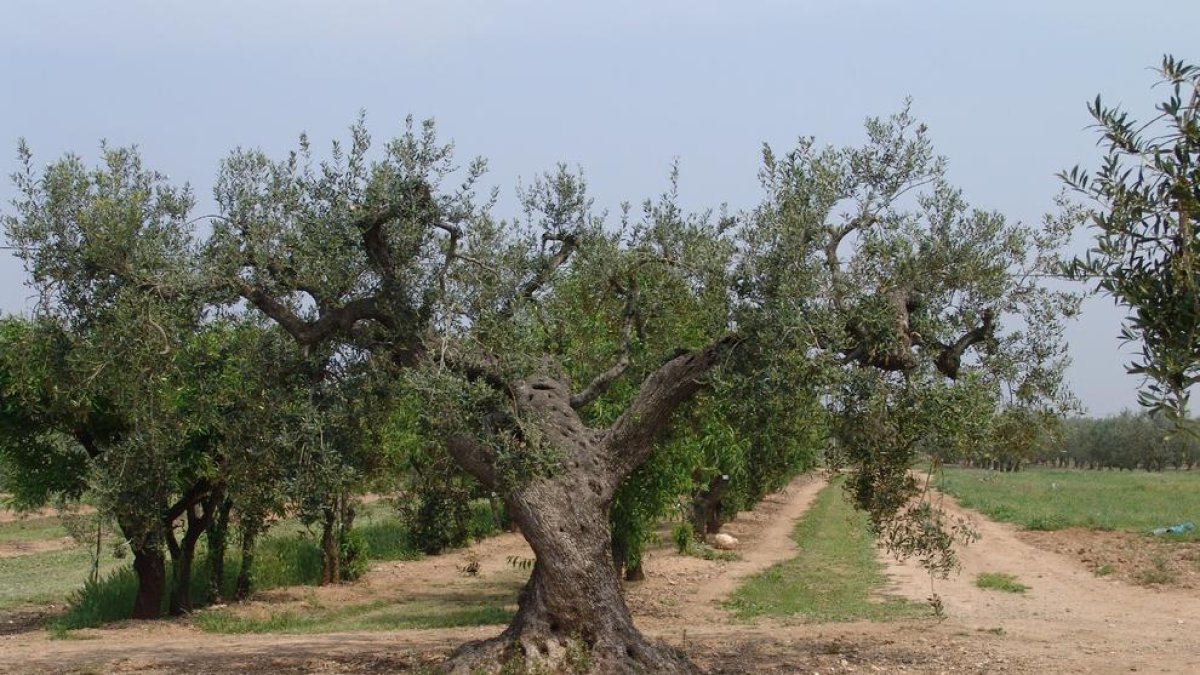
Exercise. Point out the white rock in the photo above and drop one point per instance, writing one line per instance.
(724, 542)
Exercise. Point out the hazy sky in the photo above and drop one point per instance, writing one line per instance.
(619, 88)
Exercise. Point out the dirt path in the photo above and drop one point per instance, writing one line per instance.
(1068, 622)
(684, 591)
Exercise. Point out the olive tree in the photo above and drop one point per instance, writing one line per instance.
(919, 316)
(554, 349)
(123, 384)
(1146, 197)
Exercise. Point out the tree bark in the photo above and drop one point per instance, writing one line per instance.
(329, 547)
(218, 544)
(244, 583)
(571, 614)
(184, 555)
(150, 566)
(706, 507)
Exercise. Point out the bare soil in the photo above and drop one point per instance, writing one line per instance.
(10, 549)
(1069, 621)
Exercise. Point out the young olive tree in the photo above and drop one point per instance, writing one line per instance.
(1147, 198)
(101, 247)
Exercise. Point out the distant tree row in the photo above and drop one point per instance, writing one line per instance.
(1128, 440)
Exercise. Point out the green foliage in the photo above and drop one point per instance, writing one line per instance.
(683, 534)
(1123, 441)
(1056, 498)
(835, 577)
(999, 581)
(1147, 196)
(100, 602)
(354, 555)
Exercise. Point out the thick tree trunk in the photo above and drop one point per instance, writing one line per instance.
(150, 566)
(218, 543)
(571, 614)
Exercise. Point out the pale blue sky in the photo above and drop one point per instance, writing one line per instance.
(617, 87)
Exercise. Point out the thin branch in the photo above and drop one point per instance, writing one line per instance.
(601, 382)
(569, 243)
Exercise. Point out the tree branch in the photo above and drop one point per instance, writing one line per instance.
(569, 244)
(630, 439)
(330, 320)
(950, 358)
(601, 382)
(475, 457)
(194, 494)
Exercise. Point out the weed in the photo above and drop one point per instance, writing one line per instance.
(684, 536)
(521, 563)
(999, 581)
(470, 566)
(1158, 573)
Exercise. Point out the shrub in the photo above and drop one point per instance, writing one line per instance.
(683, 535)
(353, 554)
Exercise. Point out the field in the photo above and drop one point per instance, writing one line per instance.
(807, 592)
(1054, 499)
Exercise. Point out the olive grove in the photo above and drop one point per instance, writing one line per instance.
(590, 370)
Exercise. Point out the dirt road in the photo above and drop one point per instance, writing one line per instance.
(1070, 621)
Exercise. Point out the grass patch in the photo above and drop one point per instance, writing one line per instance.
(999, 581)
(49, 578)
(494, 603)
(836, 577)
(35, 528)
(288, 556)
(1157, 573)
(1053, 499)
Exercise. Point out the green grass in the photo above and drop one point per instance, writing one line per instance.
(1052, 499)
(999, 581)
(288, 556)
(32, 529)
(40, 579)
(836, 577)
(490, 602)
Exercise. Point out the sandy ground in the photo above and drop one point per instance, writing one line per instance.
(1070, 621)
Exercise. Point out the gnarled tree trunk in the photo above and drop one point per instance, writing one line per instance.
(572, 614)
